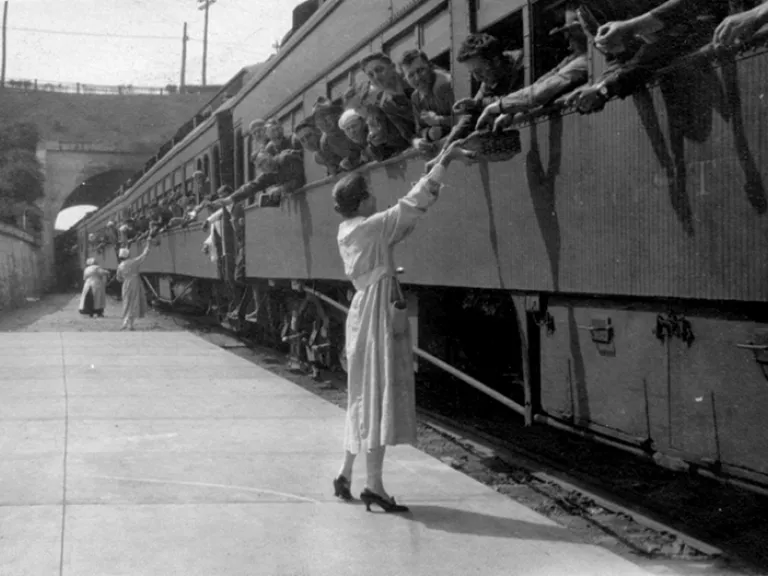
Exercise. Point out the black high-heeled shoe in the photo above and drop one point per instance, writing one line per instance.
(388, 506)
(341, 488)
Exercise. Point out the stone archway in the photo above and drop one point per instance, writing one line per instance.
(67, 166)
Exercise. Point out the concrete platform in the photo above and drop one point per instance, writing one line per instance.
(157, 453)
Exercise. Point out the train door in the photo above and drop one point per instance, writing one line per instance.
(719, 393)
(602, 368)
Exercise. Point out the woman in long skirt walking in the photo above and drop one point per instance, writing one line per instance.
(93, 298)
(381, 404)
(134, 297)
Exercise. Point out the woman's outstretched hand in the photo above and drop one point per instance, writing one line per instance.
(451, 153)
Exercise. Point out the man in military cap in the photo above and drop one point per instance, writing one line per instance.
(570, 73)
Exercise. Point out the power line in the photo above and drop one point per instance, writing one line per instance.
(97, 34)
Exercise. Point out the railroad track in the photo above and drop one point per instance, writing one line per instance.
(636, 517)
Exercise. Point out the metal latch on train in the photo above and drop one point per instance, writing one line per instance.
(674, 325)
(600, 330)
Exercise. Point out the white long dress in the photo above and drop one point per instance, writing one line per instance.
(381, 408)
(95, 284)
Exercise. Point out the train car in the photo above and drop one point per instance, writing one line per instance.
(611, 278)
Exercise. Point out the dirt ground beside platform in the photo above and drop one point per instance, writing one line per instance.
(659, 553)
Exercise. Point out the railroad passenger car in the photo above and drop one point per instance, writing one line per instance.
(612, 277)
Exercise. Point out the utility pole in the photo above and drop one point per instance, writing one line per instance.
(204, 5)
(184, 39)
(5, 25)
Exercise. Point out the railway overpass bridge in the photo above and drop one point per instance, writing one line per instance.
(90, 144)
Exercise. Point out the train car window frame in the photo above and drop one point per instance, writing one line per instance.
(338, 85)
(547, 51)
(510, 29)
(432, 45)
(216, 168)
(238, 158)
(415, 36)
(489, 13)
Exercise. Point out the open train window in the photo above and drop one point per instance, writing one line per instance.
(548, 50)
(402, 44)
(239, 163)
(498, 20)
(215, 172)
(339, 85)
(435, 38)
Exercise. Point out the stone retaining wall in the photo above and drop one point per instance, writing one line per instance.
(20, 275)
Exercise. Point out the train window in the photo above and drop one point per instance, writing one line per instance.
(287, 123)
(215, 171)
(248, 150)
(396, 48)
(298, 115)
(490, 12)
(435, 39)
(548, 50)
(206, 166)
(508, 29)
(239, 159)
(339, 85)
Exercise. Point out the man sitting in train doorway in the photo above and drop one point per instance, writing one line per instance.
(432, 99)
(394, 96)
(570, 73)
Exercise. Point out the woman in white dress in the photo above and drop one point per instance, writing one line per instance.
(93, 298)
(381, 404)
(134, 297)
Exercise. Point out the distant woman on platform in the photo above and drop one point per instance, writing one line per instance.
(94, 296)
(381, 404)
(134, 298)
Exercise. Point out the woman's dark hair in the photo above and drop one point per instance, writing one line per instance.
(482, 46)
(348, 193)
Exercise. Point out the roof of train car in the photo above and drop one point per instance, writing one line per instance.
(160, 165)
(296, 39)
(325, 9)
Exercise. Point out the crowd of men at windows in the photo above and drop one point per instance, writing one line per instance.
(414, 107)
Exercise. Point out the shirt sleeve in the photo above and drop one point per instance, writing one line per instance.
(673, 11)
(400, 220)
(141, 257)
(551, 86)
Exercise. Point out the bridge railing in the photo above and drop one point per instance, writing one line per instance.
(81, 88)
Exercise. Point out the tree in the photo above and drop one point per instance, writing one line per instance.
(21, 178)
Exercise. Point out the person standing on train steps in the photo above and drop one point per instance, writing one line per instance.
(381, 405)
(134, 297)
(432, 99)
(94, 296)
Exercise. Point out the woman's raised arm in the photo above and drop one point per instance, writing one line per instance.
(399, 221)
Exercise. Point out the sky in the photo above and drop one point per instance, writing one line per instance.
(137, 42)
(71, 216)
(240, 32)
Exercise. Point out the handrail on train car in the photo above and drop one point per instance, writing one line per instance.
(437, 362)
